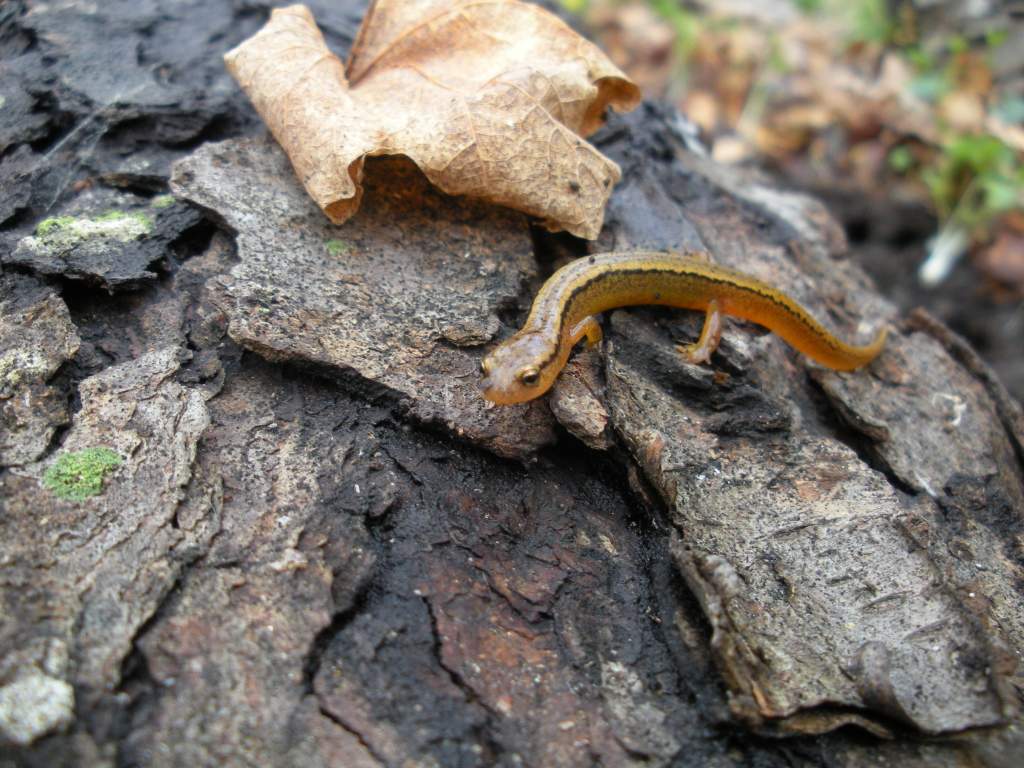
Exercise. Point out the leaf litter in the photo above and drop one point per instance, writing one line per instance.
(490, 99)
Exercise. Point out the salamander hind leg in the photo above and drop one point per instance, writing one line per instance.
(588, 327)
(710, 335)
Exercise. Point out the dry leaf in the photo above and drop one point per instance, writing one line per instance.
(488, 98)
(963, 111)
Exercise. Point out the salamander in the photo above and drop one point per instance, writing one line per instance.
(526, 365)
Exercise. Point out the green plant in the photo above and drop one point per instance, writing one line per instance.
(901, 159)
(810, 6)
(337, 247)
(872, 21)
(685, 23)
(974, 179)
(79, 475)
(578, 7)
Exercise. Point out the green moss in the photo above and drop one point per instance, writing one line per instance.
(48, 226)
(115, 215)
(162, 201)
(575, 6)
(79, 475)
(337, 247)
(143, 220)
(61, 233)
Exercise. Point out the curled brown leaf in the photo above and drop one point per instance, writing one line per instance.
(489, 98)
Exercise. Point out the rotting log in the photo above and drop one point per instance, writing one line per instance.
(319, 547)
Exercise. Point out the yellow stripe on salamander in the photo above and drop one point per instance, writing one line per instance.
(526, 365)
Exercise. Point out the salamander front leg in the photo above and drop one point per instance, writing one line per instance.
(710, 335)
(588, 327)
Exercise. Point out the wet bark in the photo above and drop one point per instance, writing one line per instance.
(318, 546)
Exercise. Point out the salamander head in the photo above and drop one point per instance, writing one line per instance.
(519, 369)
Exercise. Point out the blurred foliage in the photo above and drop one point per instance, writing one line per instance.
(973, 179)
(958, 158)
(685, 23)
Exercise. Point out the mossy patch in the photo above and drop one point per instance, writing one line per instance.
(49, 226)
(337, 247)
(79, 475)
(162, 201)
(115, 215)
(62, 232)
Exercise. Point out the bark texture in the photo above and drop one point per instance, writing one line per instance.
(316, 546)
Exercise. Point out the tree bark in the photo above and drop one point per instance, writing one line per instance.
(319, 546)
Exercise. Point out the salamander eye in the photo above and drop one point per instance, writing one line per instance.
(529, 376)
(485, 367)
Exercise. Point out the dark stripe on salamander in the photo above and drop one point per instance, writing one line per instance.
(802, 316)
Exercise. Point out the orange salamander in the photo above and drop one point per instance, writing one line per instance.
(526, 365)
